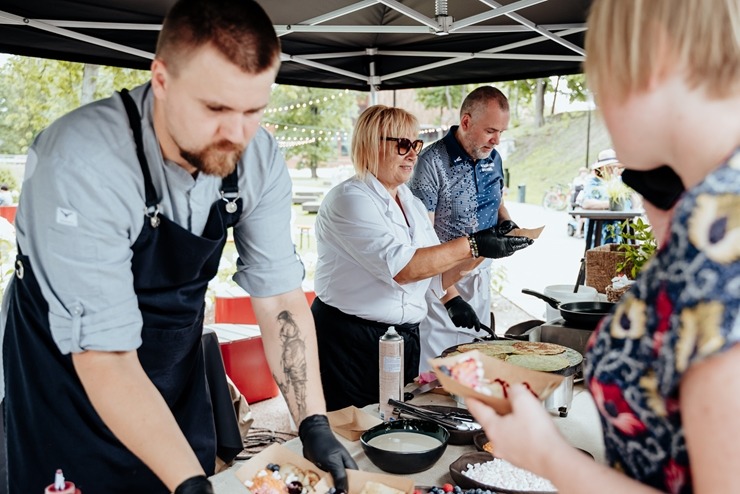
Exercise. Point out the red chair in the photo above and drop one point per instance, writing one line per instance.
(8, 212)
(244, 360)
(236, 310)
(239, 310)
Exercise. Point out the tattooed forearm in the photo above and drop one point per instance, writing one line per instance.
(293, 363)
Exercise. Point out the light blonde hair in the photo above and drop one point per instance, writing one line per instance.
(628, 41)
(374, 124)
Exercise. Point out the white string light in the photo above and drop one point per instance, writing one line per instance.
(314, 102)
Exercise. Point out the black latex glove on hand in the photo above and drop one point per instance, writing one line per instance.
(462, 314)
(195, 485)
(322, 448)
(493, 245)
(505, 227)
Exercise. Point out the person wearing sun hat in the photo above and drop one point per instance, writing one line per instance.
(595, 195)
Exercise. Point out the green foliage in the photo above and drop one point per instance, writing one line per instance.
(576, 85)
(552, 154)
(445, 97)
(7, 178)
(34, 92)
(641, 248)
(332, 111)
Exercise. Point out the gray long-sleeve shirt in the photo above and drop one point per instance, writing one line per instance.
(82, 208)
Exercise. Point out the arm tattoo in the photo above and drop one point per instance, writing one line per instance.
(293, 364)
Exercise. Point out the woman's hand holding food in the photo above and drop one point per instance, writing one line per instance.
(526, 437)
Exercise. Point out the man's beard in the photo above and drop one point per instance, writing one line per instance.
(217, 159)
(476, 152)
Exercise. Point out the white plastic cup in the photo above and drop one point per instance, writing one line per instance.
(564, 293)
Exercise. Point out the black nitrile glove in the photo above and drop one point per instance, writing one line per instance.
(462, 314)
(493, 245)
(195, 485)
(505, 227)
(322, 448)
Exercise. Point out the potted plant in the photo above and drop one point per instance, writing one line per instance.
(617, 192)
(637, 246)
(641, 248)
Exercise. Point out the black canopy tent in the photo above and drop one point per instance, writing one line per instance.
(356, 44)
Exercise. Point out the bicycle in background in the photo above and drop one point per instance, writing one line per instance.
(557, 198)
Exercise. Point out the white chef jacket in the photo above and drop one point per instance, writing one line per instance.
(363, 242)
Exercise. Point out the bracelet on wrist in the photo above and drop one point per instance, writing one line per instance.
(473, 246)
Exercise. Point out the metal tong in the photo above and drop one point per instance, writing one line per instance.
(451, 420)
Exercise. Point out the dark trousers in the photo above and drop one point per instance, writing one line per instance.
(349, 355)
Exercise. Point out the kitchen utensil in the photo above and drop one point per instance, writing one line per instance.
(564, 294)
(458, 466)
(457, 437)
(447, 420)
(525, 330)
(489, 331)
(424, 388)
(409, 431)
(581, 275)
(582, 314)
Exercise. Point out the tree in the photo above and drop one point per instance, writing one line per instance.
(312, 121)
(446, 98)
(34, 92)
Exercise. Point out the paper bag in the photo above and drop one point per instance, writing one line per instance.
(541, 383)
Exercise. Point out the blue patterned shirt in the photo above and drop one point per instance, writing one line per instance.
(463, 194)
(682, 309)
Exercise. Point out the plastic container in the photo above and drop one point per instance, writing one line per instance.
(564, 293)
(61, 486)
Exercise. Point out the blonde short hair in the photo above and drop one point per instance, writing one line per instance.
(629, 40)
(374, 124)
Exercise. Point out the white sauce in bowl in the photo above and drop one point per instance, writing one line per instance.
(404, 442)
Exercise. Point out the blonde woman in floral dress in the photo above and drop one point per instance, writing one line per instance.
(664, 367)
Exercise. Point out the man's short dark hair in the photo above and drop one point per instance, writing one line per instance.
(239, 29)
(481, 96)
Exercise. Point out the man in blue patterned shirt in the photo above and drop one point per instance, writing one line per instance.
(460, 180)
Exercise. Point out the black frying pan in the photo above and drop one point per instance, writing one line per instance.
(581, 314)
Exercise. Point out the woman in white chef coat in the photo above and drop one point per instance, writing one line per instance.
(378, 255)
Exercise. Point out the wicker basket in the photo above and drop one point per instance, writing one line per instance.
(614, 294)
(601, 266)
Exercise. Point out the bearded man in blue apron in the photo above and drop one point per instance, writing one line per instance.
(123, 217)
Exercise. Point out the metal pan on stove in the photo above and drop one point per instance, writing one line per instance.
(581, 314)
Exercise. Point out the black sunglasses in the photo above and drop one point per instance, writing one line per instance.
(404, 145)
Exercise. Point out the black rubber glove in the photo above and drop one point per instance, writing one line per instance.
(493, 245)
(462, 314)
(195, 485)
(322, 448)
(505, 227)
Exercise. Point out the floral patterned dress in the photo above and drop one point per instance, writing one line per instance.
(682, 309)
